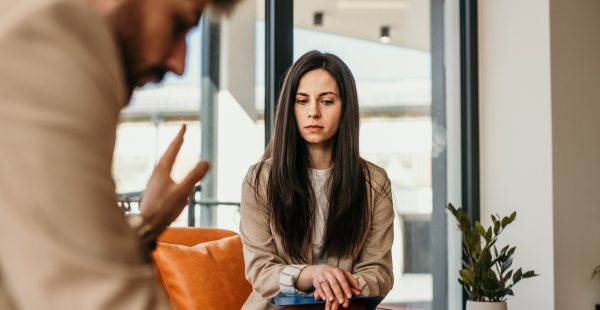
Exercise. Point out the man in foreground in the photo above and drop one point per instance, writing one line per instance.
(67, 67)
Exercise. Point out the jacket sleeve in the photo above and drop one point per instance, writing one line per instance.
(65, 243)
(268, 273)
(373, 268)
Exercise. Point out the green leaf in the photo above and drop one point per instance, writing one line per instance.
(511, 251)
(467, 276)
(508, 275)
(472, 241)
(480, 230)
(491, 244)
(512, 217)
(505, 222)
(466, 265)
(485, 260)
(507, 265)
(493, 219)
(495, 250)
(529, 274)
(488, 235)
(465, 224)
(452, 209)
(497, 228)
(517, 277)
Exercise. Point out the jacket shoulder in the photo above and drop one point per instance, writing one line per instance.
(262, 167)
(375, 173)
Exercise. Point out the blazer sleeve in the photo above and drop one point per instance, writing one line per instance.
(266, 271)
(373, 268)
(65, 243)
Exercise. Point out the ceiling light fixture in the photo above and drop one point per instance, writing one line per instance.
(385, 35)
(318, 19)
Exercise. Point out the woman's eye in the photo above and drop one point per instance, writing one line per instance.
(302, 101)
(328, 102)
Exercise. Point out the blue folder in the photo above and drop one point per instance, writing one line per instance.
(369, 302)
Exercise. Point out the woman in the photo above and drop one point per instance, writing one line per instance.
(317, 219)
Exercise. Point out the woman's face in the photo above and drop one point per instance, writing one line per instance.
(318, 107)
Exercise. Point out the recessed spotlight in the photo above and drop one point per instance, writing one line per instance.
(385, 35)
(318, 19)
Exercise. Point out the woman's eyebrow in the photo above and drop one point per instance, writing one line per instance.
(329, 93)
(321, 94)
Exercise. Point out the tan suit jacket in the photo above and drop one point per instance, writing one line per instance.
(265, 259)
(64, 243)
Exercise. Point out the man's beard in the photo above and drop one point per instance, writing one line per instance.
(126, 23)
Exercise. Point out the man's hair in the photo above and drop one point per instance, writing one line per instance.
(224, 7)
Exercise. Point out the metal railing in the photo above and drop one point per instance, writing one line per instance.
(125, 201)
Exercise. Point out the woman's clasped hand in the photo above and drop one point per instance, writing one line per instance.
(333, 285)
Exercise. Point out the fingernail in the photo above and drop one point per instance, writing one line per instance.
(349, 295)
(330, 298)
(345, 305)
(341, 300)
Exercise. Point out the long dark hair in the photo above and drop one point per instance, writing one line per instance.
(290, 196)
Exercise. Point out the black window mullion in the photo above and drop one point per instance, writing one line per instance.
(279, 49)
(469, 111)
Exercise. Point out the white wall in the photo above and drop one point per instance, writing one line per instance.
(540, 142)
(575, 56)
(516, 137)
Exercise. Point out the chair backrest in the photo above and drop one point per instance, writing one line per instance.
(202, 268)
(190, 236)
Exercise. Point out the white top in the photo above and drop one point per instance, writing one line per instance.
(319, 179)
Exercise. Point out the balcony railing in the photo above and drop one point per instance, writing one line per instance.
(127, 200)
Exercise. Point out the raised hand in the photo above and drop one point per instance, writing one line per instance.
(163, 200)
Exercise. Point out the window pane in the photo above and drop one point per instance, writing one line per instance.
(239, 129)
(394, 88)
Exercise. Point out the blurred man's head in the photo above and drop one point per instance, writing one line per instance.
(151, 34)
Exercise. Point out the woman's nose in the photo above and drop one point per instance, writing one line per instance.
(313, 110)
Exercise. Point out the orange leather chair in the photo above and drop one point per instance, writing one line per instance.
(203, 268)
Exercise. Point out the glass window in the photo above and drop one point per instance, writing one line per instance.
(386, 44)
(237, 129)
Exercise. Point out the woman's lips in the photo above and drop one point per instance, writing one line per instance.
(314, 128)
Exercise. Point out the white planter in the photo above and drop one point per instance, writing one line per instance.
(478, 305)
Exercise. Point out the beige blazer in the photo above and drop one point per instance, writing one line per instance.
(64, 243)
(265, 259)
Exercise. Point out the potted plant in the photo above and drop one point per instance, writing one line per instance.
(486, 277)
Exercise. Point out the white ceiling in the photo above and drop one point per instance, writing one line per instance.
(408, 20)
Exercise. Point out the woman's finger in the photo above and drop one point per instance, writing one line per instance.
(328, 305)
(335, 305)
(335, 287)
(352, 280)
(356, 292)
(324, 283)
(341, 278)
